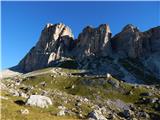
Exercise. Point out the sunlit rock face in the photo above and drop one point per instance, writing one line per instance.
(93, 42)
(55, 42)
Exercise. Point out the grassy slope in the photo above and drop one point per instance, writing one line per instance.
(137, 69)
(89, 87)
(11, 111)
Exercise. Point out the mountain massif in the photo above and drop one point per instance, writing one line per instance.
(94, 77)
(94, 47)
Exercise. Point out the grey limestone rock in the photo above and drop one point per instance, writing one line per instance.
(39, 101)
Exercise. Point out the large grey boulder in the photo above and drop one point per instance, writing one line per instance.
(39, 101)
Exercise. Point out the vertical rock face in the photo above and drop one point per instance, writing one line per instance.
(55, 42)
(127, 43)
(94, 42)
(151, 39)
(135, 44)
(151, 43)
(130, 42)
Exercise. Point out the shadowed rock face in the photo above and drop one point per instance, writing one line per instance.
(151, 40)
(130, 42)
(127, 43)
(56, 43)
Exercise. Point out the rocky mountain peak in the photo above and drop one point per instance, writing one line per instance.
(58, 29)
(105, 27)
(130, 28)
(55, 41)
(48, 25)
(97, 39)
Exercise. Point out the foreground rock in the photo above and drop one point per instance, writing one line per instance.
(39, 101)
(96, 115)
(24, 111)
(62, 111)
(128, 114)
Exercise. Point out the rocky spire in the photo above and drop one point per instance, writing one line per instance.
(127, 43)
(54, 43)
(94, 41)
(57, 42)
(130, 27)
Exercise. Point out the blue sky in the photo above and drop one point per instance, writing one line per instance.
(22, 22)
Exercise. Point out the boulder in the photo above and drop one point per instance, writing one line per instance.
(14, 92)
(96, 115)
(149, 100)
(22, 94)
(62, 111)
(114, 83)
(143, 115)
(128, 113)
(24, 111)
(3, 86)
(146, 94)
(39, 101)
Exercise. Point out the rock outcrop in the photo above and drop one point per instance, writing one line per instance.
(151, 39)
(96, 115)
(39, 101)
(55, 42)
(127, 42)
(94, 42)
(132, 43)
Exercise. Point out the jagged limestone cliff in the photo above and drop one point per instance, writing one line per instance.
(57, 42)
